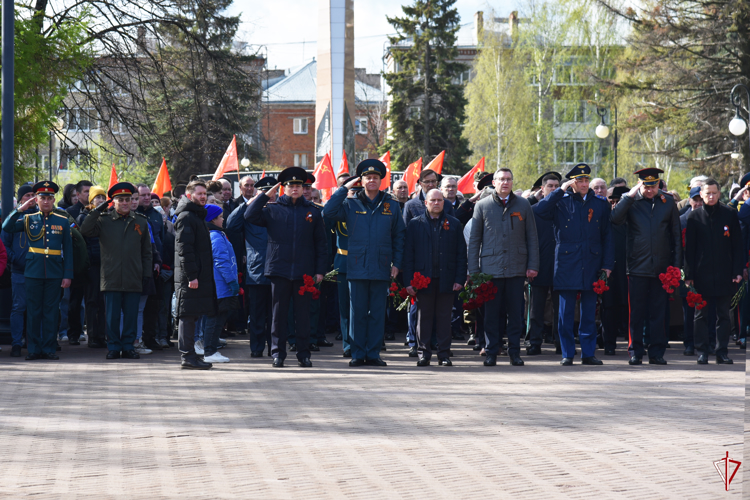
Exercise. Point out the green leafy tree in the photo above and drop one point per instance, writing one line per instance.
(428, 105)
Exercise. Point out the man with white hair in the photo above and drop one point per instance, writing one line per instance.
(599, 186)
(697, 181)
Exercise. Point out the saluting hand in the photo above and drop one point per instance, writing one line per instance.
(27, 204)
(273, 190)
(569, 183)
(635, 189)
(739, 194)
(350, 183)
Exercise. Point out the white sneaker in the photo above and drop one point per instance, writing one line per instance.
(143, 350)
(199, 348)
(216, 358)
(64, 338)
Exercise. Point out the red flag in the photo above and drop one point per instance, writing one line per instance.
(411, 175)
(324, 176)
(344, 167)
(466, 183)
(228, 162)
(264, 173)
(386, 159)
(436, 165)
(112, 177)
(162, 184)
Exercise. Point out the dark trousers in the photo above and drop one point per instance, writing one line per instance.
(151, 315)
(538, 301)
(164, 330)
(434, 311)
(457, 315)
(259, 316)
(723, 326)
(75, 326)
(744, 309)
(18, 310)
(510, 294)
(343, 286)
(42, 314)
(213, 326)
(647, 301)
(282, 290)
(367, 299)
(96, 322)
(125, 305)
(186, 336)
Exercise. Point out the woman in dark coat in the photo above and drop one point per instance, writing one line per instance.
(193, 274)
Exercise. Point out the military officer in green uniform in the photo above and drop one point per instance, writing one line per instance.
(49, 266)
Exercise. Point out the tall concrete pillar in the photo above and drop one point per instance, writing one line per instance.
(334, 107)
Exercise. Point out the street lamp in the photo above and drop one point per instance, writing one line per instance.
(738, 125)
(602, 132)
(245, 161)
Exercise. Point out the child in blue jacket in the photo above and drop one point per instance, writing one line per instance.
(227, 285)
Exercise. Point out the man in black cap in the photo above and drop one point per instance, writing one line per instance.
(49, 266)
(715, 258)
(297, 246)
(654, 243)
(376, 249)
(125, 253)
(17, 246)
(614, 313)
(257, 285)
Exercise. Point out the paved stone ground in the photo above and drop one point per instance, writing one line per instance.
(85, 428)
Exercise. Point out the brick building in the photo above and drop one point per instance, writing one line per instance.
(288, 120)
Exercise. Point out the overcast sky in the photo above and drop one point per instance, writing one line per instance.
(283, 25)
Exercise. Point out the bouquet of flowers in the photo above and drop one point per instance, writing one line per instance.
(398, 294)
(694, 299)
(480, 290)
(418, 282)
(600, 285)
(671, 279)
(312, 288)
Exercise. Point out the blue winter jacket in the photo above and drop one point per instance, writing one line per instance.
(584, 244)
(255, 244)
(297, 239)
(376, 233)
(225, 262)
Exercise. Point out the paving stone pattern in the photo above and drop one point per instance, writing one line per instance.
(88, 428)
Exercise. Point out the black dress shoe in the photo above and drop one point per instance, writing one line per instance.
(591, 361)
(703, 359)
(96, 344)
(312, 348)
(15, 351)
(515, 360)
(357, 362)
(689, 351)
(533, 350)
(609, 352)
(278, 363)
(459, 336)
(293, 348)
(390, 336)
(256, 354)
(339, 337)
(567, 362)
(305, 363)
(113, 355)
(74, 342)
(635, 360)
(490, 360)
(324, 343)
(414, 352)
(131, 354)
(472, 340)
(445, 362)
(657, 361)
(376, 362)
(153, 345)
(423, 362)
(743, 343)
(194, 364)
(32, 357)
(723, 359)
(348, 353)
(52, 357)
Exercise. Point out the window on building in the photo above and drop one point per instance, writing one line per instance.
(360, 125)
(415, 112)
(463, 77)
(300, 159)
(569, 111)
(574, 151)
(83, 119)
(300, 125)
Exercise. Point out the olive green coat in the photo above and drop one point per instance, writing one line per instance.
(125, 247)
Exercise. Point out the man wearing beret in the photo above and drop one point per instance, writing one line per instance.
(125, 254)
(49, 266)
(375, 254)
(583, 249)
(297, 246)
(654, 243)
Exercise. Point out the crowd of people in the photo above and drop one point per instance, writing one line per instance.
(572, 261)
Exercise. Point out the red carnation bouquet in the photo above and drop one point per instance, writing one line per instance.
(600, 285)
(312, 288)
(670, 280)
(694, 299)
(418, 282)
(479, 291)
(398, 294)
